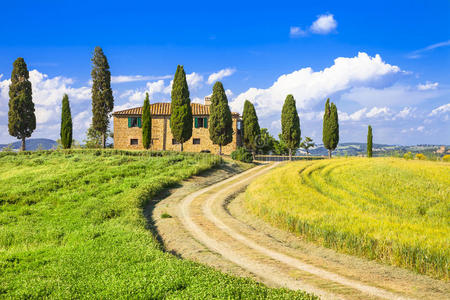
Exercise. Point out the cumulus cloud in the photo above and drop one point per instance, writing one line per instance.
(324, 24)
(427, 86)
(220, 74)
(404, 113)
(194, 80)
(134, 78)
(440, 110)
(47, 94)
(309, 87)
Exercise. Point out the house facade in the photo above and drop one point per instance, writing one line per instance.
(128, 129)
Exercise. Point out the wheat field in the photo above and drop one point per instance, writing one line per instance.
(386, 209)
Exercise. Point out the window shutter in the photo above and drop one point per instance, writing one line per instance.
(205, 122)
(129, 122)
(139, 121)
(196, 122)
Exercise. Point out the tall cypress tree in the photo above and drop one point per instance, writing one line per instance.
(181, 111)
(251, 127)
(21, 117)
(290, 125)
(221, 123)
(330, 133)
(146, 123)
(66, 123)
(369, 141)
(102, 96)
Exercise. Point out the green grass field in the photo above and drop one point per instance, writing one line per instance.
(391, 210)
(72, 226)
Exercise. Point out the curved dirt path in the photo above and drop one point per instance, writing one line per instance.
(240, 246)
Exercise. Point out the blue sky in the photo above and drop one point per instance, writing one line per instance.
(384, 63)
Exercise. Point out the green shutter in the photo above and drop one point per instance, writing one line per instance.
(129, 122)
(205, 122)
(139, 121)
(196, 122)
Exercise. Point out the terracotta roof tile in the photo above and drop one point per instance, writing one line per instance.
(163, 109)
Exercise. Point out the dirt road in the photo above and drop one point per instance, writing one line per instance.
(210, 225)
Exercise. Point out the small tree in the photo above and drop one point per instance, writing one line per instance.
(251, 127)
(181, 111)
(221, 123)
(93, 138)
(330, 133)
(307, 143)
(279, 147)
(102, 96)
(369, 141)
(290, 125)
(268, 141)
(21, 117)
(146, 123)
(66, 123)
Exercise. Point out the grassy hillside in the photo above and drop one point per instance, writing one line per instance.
(391, 210)
(72, 226)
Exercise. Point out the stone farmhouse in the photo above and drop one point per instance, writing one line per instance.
(128, 129)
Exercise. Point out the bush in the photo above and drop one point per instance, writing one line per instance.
(242, 154)
(421, 156)
(446, 158)
(408, 155)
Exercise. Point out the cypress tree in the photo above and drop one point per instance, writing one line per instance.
(66, 123)
(181, 111)
(369, 141)
(330, 133)
(221, 123)
(146, 123)
(251, 127)
(21, 117)
(290, 125)
(102, 96)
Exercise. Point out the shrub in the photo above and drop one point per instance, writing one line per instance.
(242, 154)
(408, 155)
(421, 156)
(446, 158)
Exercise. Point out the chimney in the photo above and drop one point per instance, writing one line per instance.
(207, 100)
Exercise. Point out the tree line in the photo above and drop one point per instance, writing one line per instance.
(22, 119)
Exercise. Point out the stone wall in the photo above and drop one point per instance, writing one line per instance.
(162, 140)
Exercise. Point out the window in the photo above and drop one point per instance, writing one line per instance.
(196, 141)
(201, 122)
(133, 141)
(174, 142)
(134, 122)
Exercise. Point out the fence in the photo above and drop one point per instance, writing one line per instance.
(286, 157)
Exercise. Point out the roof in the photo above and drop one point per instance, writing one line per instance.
(163, 109)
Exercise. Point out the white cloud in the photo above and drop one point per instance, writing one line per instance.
(309, 87)
(197, 100)
(82, 121)
(419, 53)
(229, 93)
(47, 95)
(194, 80)
(220, 74)
(378, 112)
(427, 86)
(324, 24)
(296, 31)
(134, 78)
(440, 110)
(405, 112)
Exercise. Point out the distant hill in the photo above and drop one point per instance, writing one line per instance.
(355, 149)
(32, 144)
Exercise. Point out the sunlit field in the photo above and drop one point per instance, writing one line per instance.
(390, 210)
(72, 226)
